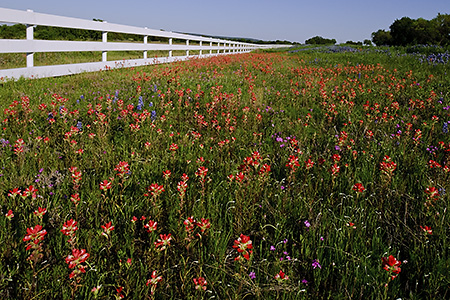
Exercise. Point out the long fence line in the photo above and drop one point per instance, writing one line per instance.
(205, 46)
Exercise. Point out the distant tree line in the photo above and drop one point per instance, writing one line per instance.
(407, 31)
(318, 40)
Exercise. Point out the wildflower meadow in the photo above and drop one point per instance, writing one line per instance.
(267, 175)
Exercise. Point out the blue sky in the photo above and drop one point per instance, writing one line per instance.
(290, 20)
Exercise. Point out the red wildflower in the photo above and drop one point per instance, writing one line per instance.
(189, 223)
(334, 170)
(34, 236)
(163, 241)
(204, 224)
(243, 245)
(30, 191)
(166, 174)
(280, 277)
(15, 192)
(309, 164)
(202, 172)
(155, 189)
(75, 261)
(293, 163)
(69, 227)
(107, 228)
(105, 185)
(391, 264)
(387, 166)
(433, 193)
(75, 198)
(358, 187)
(182, 187)
(153, 281)
(151, 226)
(122, 168)
(40, 212)
(427, 229)
(9, 215)
(200, 283)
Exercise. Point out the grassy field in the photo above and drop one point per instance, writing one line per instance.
(271, 175)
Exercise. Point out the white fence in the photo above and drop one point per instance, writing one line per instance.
(206, 46)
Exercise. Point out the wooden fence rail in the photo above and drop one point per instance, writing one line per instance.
(206, 46)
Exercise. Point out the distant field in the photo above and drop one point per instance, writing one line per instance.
(319, 174)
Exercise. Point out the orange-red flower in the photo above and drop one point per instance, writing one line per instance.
(391, 264)
(164, 241)
(243, 245)
(200, 283)
(34, 236)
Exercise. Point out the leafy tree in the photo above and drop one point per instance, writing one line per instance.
(402, 32)
(318, 40)
(382, 38)
(442, 25)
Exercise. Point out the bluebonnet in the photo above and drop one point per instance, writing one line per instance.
(140, 103)
(80, 126)
(116, 96)
(445, 128)
(153, 115)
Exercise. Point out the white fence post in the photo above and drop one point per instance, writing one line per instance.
(210, 49)
(187, 51)
(201, 48)
(145, 43)
(105, 40)
(170, 44)
(30, 36)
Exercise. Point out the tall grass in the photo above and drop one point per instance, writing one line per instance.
(276, 175)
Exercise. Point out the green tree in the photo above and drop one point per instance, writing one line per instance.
(402, 32)
(424, 32)
(318, 40)
(442, 26)
(382, 38)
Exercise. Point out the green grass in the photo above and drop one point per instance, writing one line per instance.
(235, 116)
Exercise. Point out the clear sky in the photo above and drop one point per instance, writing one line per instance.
(292, 20)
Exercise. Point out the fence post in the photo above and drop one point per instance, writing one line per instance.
(145, 43)
(170, 44)
(30, 37)
(210, 47)
(201, 43)
(187, 51)
(218, 47)
(105, 40)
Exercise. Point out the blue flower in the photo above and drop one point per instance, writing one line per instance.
(140, 103)
(153, 115)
